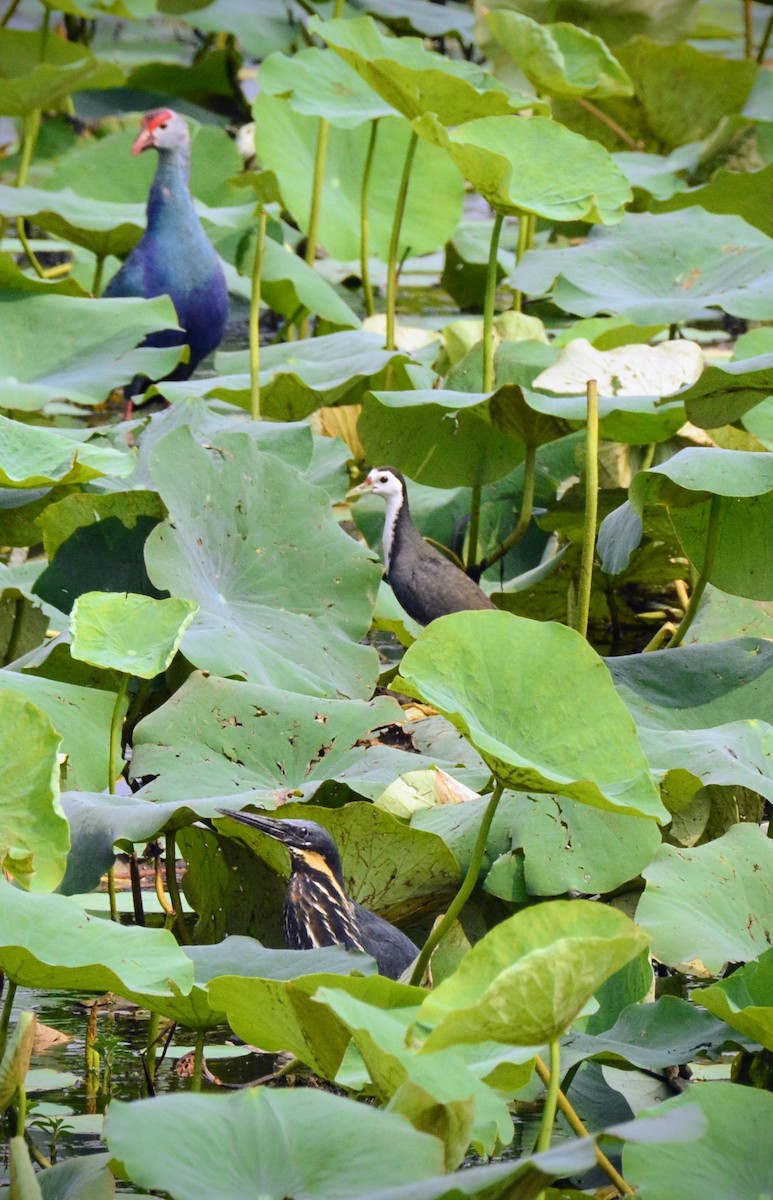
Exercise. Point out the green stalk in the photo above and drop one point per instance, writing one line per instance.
(9, 13)
(488, 305)
(14, 640)
(5, 1019)
(21, 1109)
(173, 888)
(365, 219)
(465, 891)
(198, 1061)
(96, 283)
(551, 1099)
(472, 536)
(114, 752)
(134, 872)
(591, 507)
(111, 894)
(151, 1048)
(394, 241)
(318, 183)
(520, 250)
(524, 518)
(257, 267)
(765, 40)
(712, 536)
(577, 1127)
(31, 131)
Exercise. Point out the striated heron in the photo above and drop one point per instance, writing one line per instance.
(317, 911)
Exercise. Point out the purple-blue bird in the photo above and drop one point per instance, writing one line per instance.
(174, 257)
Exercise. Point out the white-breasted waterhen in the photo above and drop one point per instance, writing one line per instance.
(427, 584)
(317, 911)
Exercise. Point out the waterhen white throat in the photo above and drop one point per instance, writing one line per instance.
(427, 584)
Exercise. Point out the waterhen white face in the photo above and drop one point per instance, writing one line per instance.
(427, 584)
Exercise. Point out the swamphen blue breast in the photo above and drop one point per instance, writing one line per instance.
(173, 257)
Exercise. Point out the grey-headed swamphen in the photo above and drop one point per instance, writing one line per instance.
(174, 256)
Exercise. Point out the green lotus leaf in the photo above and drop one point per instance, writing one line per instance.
(49, 942)
(296, 378)
(673, 267)
(736, 1122)
(34, 836)
(282, 1014)
(80, 715)
(736, 485)
(653, 1036)
(470, 1111)
(124, 632)
(559, 59)
(681, 93)
(440, 438)
(102, 226)
(744, 1000)
(16, 1059)
(286, 142)
(542, 746)
(721, 734)
(284, 595)
(415, 80)
(319, 83)
(63, 347)
(528, 978)
(726, 392)
(710, 905)
(299, 741)
(512, 163)
(39, 71)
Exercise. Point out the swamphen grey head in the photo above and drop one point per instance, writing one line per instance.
(162, 129)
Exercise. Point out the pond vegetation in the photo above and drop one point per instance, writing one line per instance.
(509, 250)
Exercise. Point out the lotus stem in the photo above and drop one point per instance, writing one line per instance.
(134, 872)
(114, 751)
(151, 1047)
(591, 507)
(9, 13)
(488, 305)
(748, 29)
(5, 1018)
(29, 141)
(257, 268)
(551, 1099)
(99, 266)
(473, 532)
(765, 40)
(198, 1061)
(367, 289)
(394, 241)
(465, 891)
(524, 518)
(16, 631)
(712, 537)
(520, 250)
(111, 894)
(577, 1126)
(320, 158)
(601, 116)
(173, 888)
